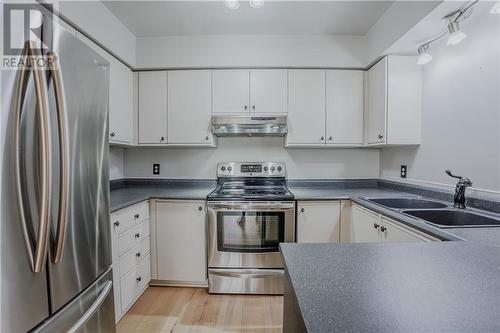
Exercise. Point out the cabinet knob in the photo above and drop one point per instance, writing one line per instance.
(139, 279)
(206, 138)
(137, 235)
(112, 134)
(380, 136)
(116, 224)
(322, 138)
(330, 138)
(138, 254)
(376, 225)
(302, 210)
(382, 228)
(136, 216)
(253, 107)
(162, 139)
(200, 208)
(245, 107)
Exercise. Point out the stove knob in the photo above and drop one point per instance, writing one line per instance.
(273, 168)
(223, 168)
(229, 168)
(279, 169)
(266, 168)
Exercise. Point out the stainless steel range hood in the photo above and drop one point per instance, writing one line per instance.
(249, 126)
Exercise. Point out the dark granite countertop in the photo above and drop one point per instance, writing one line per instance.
(411, 287)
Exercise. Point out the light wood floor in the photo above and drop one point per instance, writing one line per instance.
(165, 309)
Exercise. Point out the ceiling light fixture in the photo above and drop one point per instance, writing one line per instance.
(496, 8)
(256, 3)
(456, 36)
(232, 4)
(423, 54)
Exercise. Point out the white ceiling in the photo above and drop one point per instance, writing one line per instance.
(185, 18)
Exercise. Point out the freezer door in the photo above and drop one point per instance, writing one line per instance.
(24, 293)
(86, 245)
(91, 312)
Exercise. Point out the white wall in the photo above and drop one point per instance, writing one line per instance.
(97, 20)
(116, 163)
(251, 50)
(461, 111)
(200, 163)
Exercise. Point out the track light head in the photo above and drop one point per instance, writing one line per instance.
(455, 35)
(423, 55)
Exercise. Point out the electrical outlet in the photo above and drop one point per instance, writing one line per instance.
(404, 170)
(156, 169)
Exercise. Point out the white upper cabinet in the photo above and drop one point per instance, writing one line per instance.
(189, 112)
(121, 106)
(306, 107)
(268, 91)
(153, 107)
(394, 104)
(344, 107)
(230, 91)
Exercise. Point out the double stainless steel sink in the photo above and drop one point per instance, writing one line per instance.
(438, 213)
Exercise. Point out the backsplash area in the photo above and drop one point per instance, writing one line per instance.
(200, 163)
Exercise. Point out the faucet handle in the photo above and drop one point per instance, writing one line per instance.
(448, 172)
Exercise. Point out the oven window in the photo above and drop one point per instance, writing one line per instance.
(250, 232)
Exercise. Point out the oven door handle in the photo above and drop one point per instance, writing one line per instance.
(250, 206)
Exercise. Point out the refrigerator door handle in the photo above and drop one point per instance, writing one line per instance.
(92, 309)
(62, 125)
(36, 248)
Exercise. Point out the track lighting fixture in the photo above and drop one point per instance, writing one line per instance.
(232, 4)
(423, 55)
(455, 35)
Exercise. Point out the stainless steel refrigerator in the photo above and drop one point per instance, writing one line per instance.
(55, 232)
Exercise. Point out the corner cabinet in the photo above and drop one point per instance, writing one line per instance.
(121, 104)
(153, 108)
(367, 226)
(318, 221)
(394, 102)
(180, 255)
(131, 255)
(249, 92)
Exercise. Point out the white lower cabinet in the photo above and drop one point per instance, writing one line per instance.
(367, 226)
(180, 242)
(318, 221)
(131, 255)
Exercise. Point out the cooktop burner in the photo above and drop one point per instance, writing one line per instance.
(251, 181)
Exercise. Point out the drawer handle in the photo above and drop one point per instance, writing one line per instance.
(116, 224)
(137, 235)
(138, 254)
(136, 216)
(138, 279)
(376, 225)
(383, 229)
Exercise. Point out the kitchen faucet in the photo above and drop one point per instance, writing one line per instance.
(459, 199)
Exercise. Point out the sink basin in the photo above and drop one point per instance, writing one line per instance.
(450, 218)
(410, 203)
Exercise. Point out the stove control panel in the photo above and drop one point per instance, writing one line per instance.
(251, 169)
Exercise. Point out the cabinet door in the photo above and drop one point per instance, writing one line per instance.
(121, 106)
(230, 91)
(152, 107)
(180, 241)
(365, 226)
(268, 91)
(189, 98)
(306, 107)
(344, 107)
(396, 232)
(318, 222)
(377, 102)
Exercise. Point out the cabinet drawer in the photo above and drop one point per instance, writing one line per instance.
(126, 218)
(132, 283)
(134, 256)
(132, 237)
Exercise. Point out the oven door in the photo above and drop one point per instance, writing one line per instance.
(247, 234)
